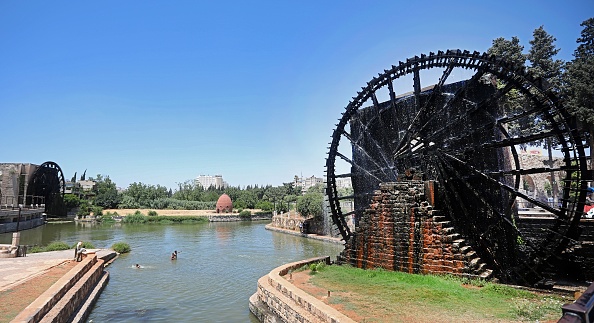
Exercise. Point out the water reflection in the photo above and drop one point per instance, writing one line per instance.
(216, 271)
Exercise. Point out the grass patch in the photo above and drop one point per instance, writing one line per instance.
(107, 217)
(53, 246)
(121, 247)
(85, 244)
(381, 293)
(139, 218)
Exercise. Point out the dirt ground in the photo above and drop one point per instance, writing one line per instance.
(372, 313)
(301, 280)
(15, 300)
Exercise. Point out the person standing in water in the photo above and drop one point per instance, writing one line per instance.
(174, 255)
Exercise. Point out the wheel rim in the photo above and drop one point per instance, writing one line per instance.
(47, 181)
(463, 136)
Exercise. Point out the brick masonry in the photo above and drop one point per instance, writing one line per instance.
(401, 231)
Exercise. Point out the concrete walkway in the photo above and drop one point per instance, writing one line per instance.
(14, 271)
(271, 227)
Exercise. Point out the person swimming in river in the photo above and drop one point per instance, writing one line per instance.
(174, 255)
(137, 266)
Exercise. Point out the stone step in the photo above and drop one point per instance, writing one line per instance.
(486, 274)
(470, 254)
(439, 218)
(453, 236)
(444, 223)
(459, 243)
(465, 249)
(449, 230)
(481, 267)
(474, 263)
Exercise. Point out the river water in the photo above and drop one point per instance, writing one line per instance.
(216, 271)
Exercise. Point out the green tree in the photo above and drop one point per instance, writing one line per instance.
(143, 195)
(513, 101)
(541, 55)
(248, 198)
(311, 203)
(107, 193)
(544, 66)
(71, 201)
(579, 81)
(510, 50)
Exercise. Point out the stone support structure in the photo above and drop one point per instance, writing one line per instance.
(401, 231)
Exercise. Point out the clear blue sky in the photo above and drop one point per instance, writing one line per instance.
(160, 92)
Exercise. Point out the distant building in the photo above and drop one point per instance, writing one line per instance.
(207, 181)
(306, 182)
(344, 182)
(87, 185)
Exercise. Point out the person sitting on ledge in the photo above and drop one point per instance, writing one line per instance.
(79, 251)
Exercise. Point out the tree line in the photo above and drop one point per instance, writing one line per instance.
(190, 196)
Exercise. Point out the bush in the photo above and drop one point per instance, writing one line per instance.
(152, 213)
(137, 217)
(35, 249)
(245, 214)
(316, 267)
(176, 219)
(85, 244)
(106, 218)
(121, 247)
(97, 210)
(57, 245)
(84, 208)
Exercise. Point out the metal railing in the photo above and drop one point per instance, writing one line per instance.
(22, 201)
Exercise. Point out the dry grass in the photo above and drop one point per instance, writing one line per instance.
(173, 212)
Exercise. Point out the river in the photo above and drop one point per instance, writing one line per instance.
(216, 271)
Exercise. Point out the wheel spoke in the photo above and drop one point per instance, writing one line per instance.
(557, 212)
(465, 140)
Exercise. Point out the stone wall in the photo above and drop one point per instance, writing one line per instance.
(536, 182)
(64, 300)
(400, 231)
(577, 262)
(23, 224)
(237, 218)
(288, 221)
(277, 300)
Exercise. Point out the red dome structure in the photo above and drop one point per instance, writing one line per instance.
(224, 204)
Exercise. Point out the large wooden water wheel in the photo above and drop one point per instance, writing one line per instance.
(461, 118)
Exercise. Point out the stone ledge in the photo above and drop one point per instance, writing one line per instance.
(51, 299)
(70, 302)
(85, 310)
(278, 296)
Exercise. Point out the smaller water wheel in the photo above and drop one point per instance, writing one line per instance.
(48, 183)
(466, 134)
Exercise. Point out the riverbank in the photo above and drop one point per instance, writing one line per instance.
(51, 284)
(313, 236)
(210, 215)
(176, 212)
(291, 293)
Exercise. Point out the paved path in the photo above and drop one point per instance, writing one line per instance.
(271, 227)
(14, 271)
